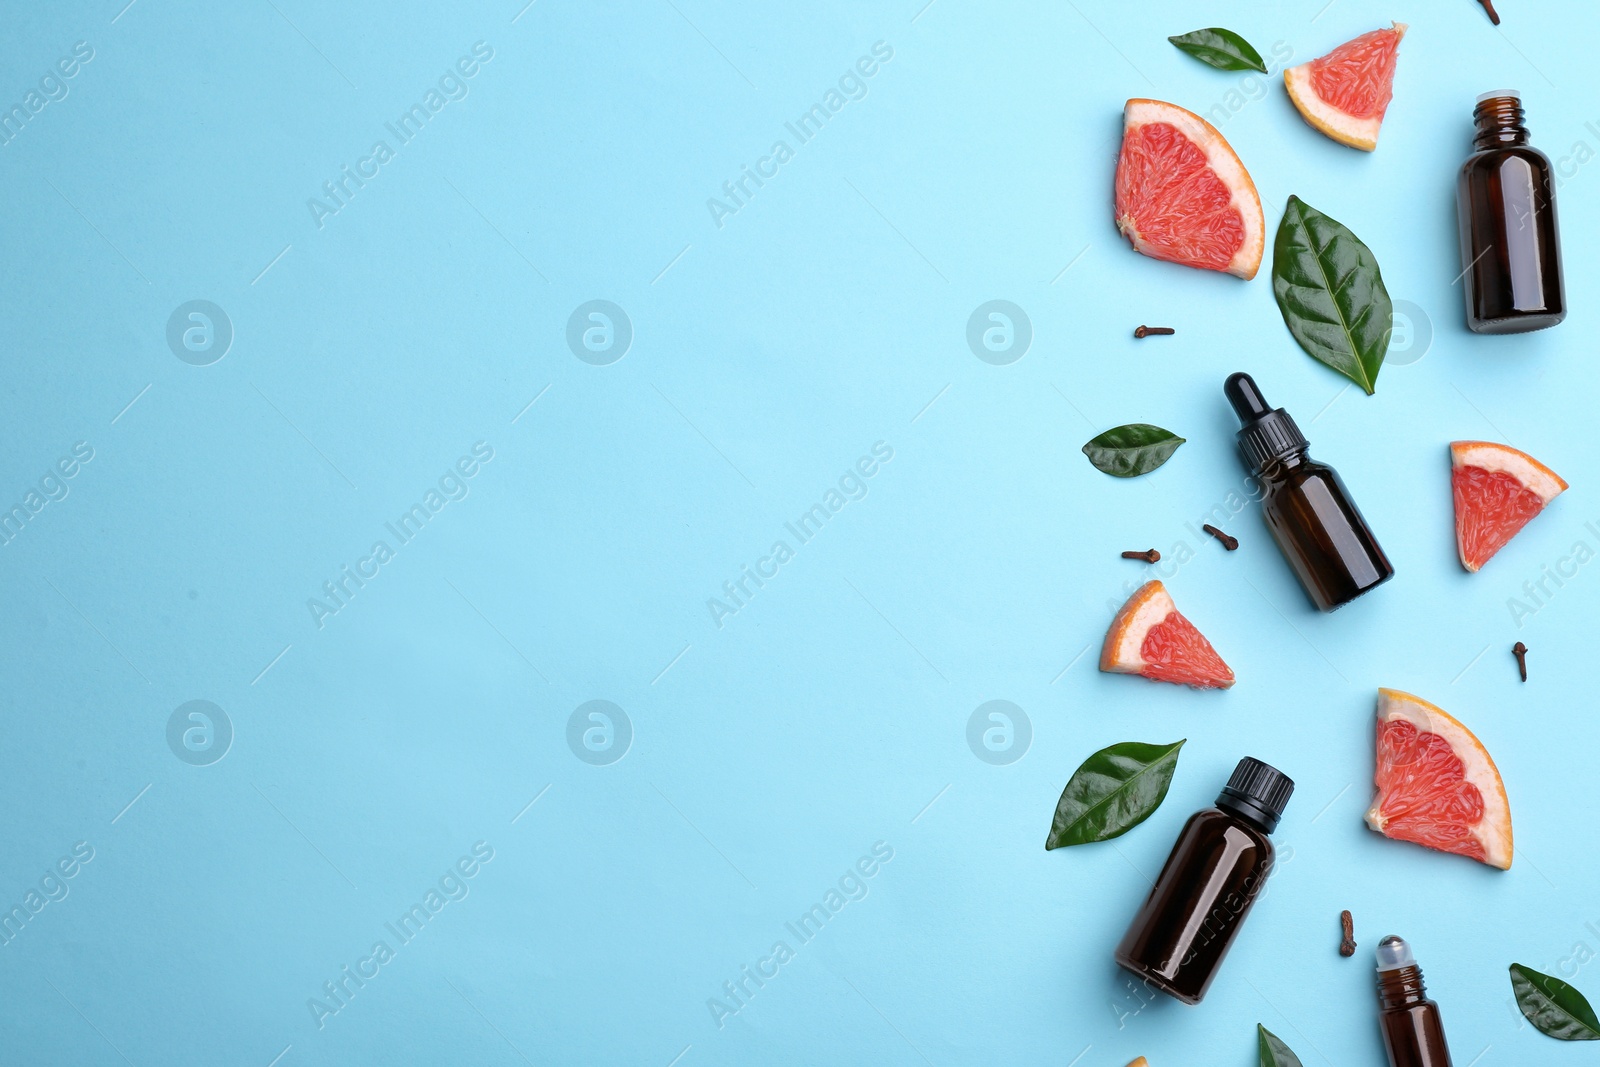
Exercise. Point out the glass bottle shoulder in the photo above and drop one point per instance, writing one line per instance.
(1295, 469)
(1500, 157)
(1238, 834)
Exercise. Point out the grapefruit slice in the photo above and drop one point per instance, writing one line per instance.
(1437, 785)
(1346, 92)
(1181, 193)
(1150, 638)
(1497, 490)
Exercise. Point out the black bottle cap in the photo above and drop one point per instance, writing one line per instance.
(1268, 434)
(1258, 792)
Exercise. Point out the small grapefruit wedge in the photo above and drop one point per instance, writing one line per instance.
(1181, 193)
(1149, 637)
(1497, 490)
(1346, 92)
(1437, 785)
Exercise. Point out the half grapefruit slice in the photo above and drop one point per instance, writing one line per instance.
(1346, 92)
(1497, 490)
(1437, 786)
(1181, 193)
(1150, 638)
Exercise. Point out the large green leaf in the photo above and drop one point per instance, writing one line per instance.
(1113, 791)
(1221, 48)
(1331, 293)
(1274, 1053)
(1131, 450)
(1553, 1006)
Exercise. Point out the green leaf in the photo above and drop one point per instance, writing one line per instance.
(1131, 450)
(1274, 1053)
(1331, 293)
(1221, 48)
(1113, 791)
(1553, 1006)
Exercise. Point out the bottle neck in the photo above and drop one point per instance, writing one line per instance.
(1499, 123)
(1280, 467)
(1401, 988)
(1248, 810)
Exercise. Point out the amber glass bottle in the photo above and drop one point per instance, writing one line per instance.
(1412, 1031)
(1317, 526)
(1207, 886)
(1506, 205)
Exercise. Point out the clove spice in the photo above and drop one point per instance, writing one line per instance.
(1149, 555)
(1520, 651)
(1494, 16)
(1146, 331)
(1347, 947)
(1229, 543)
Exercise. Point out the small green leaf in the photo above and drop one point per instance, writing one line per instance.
(1274, 1053)
(1553, 1006)
(1113, 791)
(1131, 450)
(1221, 48)
(1331, 294)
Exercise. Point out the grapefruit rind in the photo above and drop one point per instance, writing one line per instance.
(1147, 607)
(1493, 830)
(1503, 458)
(1224, 163)
(1343, 127)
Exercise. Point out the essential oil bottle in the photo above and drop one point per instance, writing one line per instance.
(1207, 886)
(1317, 526)
(1510, 245)
(1412, 1031)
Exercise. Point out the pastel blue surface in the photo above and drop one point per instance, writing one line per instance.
(584, 512)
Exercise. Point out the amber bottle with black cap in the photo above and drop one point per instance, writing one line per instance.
(1317, 526)
(1207, 886)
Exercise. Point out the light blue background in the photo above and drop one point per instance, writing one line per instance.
(769, 354)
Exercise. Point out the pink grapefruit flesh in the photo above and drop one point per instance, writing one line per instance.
(1346, 93)
(1182, 194)
(1497, 490)
(1150, 638)
(1436, 784)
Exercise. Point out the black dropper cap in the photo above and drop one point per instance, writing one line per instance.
(1258, 792)
(1268, 433)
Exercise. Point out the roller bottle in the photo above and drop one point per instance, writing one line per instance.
(1413, 1033)
(1207, 886)
(1317, 526)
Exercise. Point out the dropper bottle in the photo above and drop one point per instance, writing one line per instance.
(1318, 528)
(1412, 1031)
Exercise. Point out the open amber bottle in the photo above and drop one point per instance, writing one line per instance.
(1506, 205)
